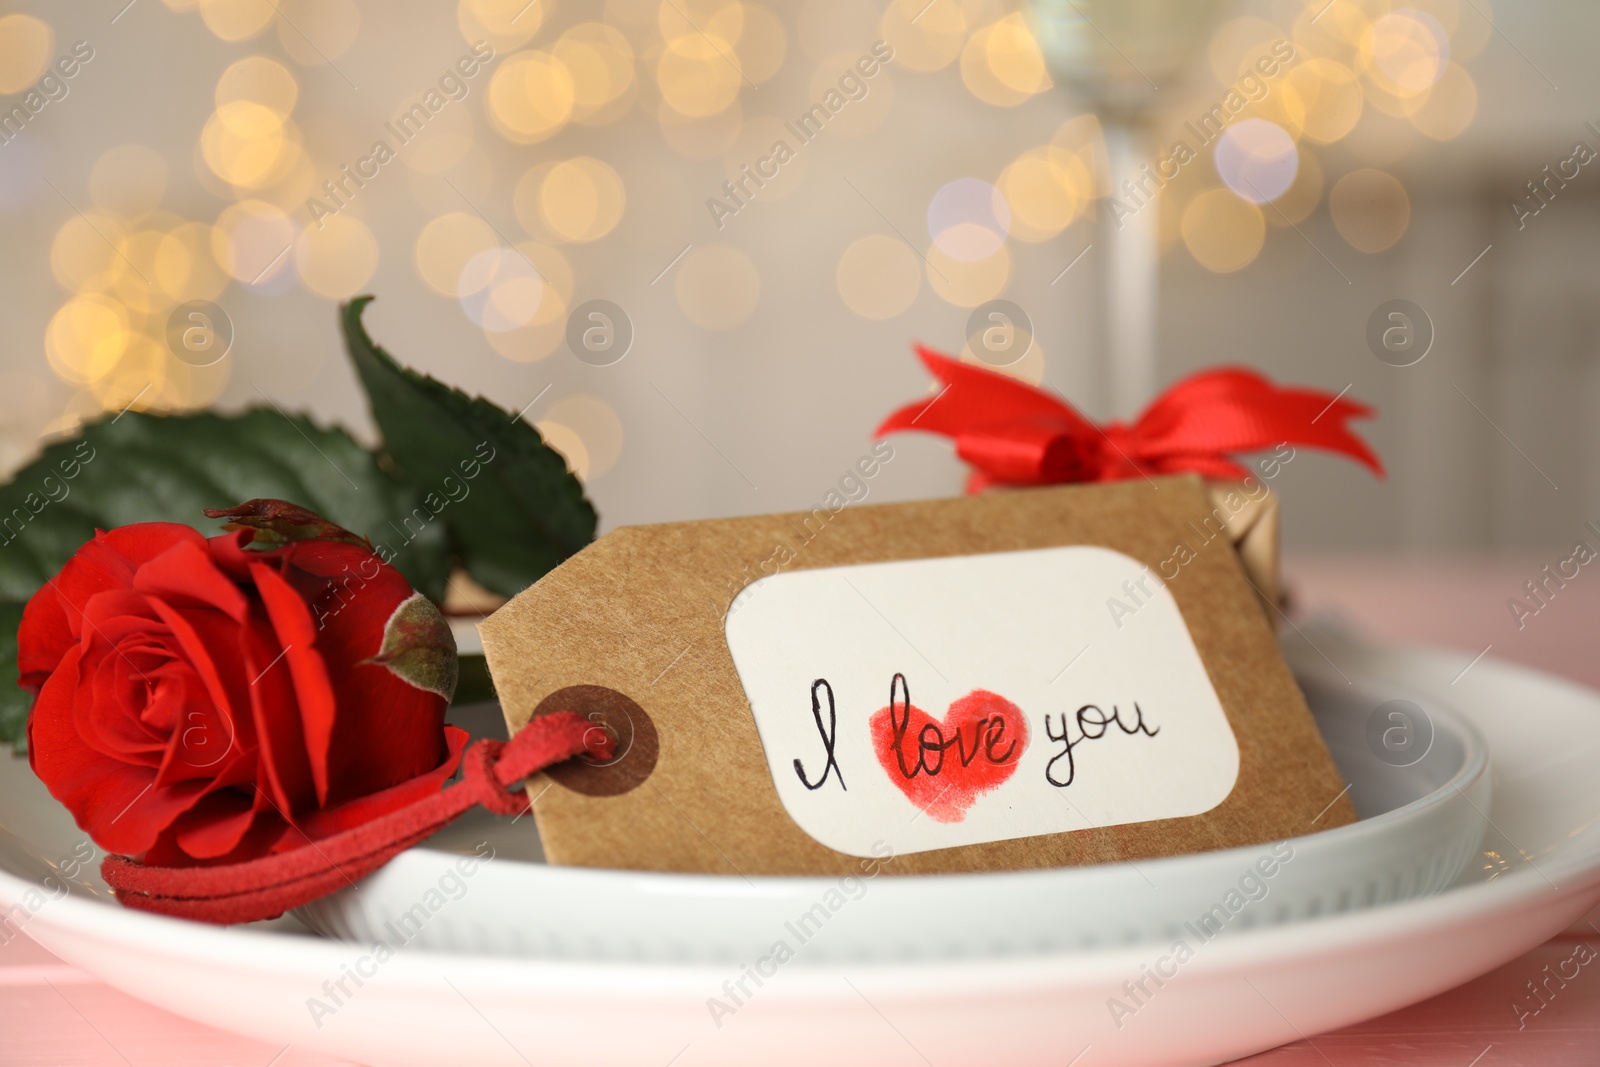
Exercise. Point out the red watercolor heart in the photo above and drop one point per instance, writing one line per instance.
(943, 768)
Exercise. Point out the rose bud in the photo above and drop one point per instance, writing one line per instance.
(215, 700)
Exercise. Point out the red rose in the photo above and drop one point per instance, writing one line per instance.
(202, 700)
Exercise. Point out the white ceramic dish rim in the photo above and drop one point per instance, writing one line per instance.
(292, 953)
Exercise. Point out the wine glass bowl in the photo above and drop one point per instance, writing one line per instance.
(1122, 54)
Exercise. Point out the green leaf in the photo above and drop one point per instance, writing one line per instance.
(144, 468)
(14, 702)
(513, 509)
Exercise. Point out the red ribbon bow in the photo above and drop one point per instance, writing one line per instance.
(1014, 434)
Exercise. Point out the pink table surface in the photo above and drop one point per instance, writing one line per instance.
(53, 1015)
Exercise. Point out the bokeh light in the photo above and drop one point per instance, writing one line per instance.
(83, 255)
(697, 75)
(545, 331)
(565, 440)
(252, 241)
(926, 35)
(503, 24)
(1334, 31)
(716, 23)
(1370, 209)
(258, 80)
(1326, 98)
(1405, 51)
(86, 337)
(762, 44)
(157, 264)
(1222, 232)
(236, 20)
(205, 279)
(337, 259)
(1374, 77)
(501, 290)
(1046, 189)
(968, 219)
(600, 61)
(1001, 63)
(531, 97)
(968, 282)
(1082, 137)
(581, 199)
(140, 377)
(1257, 159)
(878, 276)
(446, 245)
(26, 45)
(245, 144)
(596, 424)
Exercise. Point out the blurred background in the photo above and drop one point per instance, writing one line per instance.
(540, 155)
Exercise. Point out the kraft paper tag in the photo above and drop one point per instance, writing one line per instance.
(1036, 678)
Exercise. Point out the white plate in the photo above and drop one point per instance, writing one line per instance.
(1421, 824)
(1236, 996)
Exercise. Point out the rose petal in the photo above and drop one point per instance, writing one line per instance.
(312, 689)
(115, 803)
(111, 704)
(349, 588)
(131, 827)
(119, 631)
(109, 562)
(208, 641)
(364, 809)
(42, 639)
(216, 825)
(261, 834)
(285, 764)
(387, 730)
(141, 542)
(173, 694)
(186, 577)
(196, 760)
(230, 552)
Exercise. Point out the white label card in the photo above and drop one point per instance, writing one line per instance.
(935, 703)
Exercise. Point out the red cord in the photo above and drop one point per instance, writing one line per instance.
(267, 887)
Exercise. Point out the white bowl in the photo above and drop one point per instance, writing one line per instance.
(1419, 826)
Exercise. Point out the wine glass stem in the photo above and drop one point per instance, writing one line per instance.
(1132, 239)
